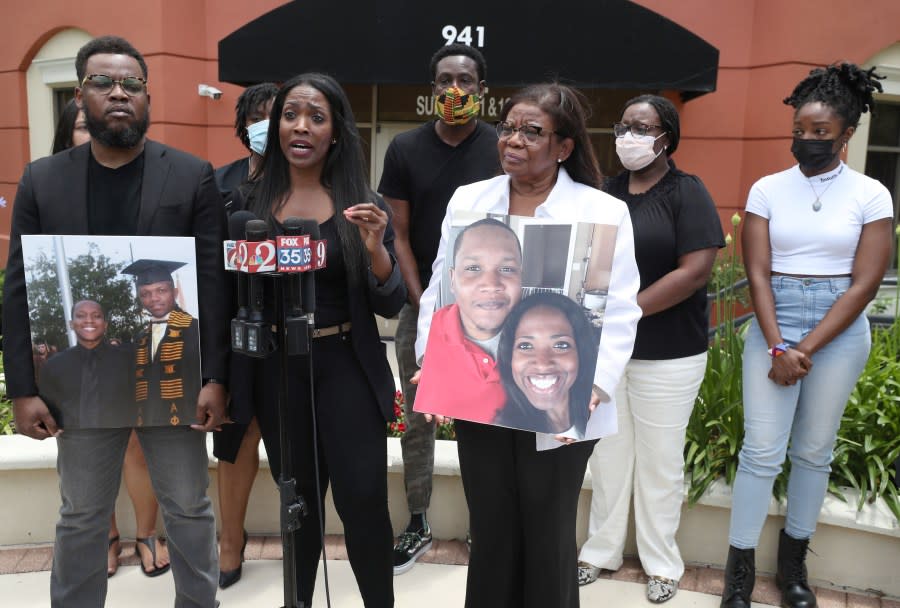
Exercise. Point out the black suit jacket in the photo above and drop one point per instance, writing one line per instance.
(178, 198)
(232, 175)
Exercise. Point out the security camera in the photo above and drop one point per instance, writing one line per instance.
(204, 90)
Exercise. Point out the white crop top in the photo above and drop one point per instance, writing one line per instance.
(805, 241)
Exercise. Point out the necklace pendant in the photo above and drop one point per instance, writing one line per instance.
(817, 205)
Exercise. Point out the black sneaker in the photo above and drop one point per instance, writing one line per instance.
(410, 546)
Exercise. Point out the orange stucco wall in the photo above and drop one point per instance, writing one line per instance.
(730, 137)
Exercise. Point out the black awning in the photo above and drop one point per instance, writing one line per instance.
(589, 43)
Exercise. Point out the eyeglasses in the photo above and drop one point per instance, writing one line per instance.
(530, 133)
(638, 129)
(132, 85)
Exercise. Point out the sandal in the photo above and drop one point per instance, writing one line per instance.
(660, 589)
(150, 543)
(587, 573)
(110, 570)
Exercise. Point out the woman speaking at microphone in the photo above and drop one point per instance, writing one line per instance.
(313, 168)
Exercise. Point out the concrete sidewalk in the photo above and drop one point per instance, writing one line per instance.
(434, 585)
(438, 581)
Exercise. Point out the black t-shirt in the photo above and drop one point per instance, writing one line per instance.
(332, 291)
(114, 197)
(332, 294)
(674, 217)
(423, 170)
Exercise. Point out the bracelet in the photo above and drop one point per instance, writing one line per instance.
(778, 350)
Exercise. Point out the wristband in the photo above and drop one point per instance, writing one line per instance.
(778, 350)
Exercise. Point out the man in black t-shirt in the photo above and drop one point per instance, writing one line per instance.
(422, 170)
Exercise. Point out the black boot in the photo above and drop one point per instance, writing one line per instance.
(740, 576)
(791, 577)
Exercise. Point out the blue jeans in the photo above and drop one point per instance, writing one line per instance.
(808, 413)
(90, 469)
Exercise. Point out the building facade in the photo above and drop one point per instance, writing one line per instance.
(730, 136)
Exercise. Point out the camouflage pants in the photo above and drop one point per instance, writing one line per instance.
(417, 443)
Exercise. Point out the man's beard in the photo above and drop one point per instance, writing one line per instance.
(125, 137)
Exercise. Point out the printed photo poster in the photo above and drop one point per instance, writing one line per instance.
(114, 328)
(516, 330)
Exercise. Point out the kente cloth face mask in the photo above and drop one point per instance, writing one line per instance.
(455, 107)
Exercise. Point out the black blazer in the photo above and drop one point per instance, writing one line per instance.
(178, 198)
(385, 300)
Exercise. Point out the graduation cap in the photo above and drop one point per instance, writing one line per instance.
(152, 271)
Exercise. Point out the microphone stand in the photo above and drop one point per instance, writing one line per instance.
(292, 504)
(294, 320)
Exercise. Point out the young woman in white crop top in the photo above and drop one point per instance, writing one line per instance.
(817, 240)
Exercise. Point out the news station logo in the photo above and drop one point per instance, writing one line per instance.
(299, 253)
(294, 253)
(285, 254)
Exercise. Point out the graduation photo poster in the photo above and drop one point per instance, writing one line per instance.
(516, 329)
(114, 330)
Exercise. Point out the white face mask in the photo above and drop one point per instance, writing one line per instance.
(257, 133)
(636, 152)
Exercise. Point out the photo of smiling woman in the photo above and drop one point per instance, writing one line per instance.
(547, 354)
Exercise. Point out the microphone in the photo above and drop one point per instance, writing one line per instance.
(291, 249)
(252, 261)
(256, 254)
(237, 223)
(308, 280)
(295, 253)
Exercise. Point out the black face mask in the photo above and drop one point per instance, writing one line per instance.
(813, 154)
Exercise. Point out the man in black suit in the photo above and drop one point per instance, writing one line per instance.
(90, 385)
(167, 349)
(121, 183)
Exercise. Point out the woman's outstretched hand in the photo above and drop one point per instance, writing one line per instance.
(371, 221)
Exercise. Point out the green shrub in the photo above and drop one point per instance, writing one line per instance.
(869, 439)
(716, 427)
(398, 427)
(6, 412)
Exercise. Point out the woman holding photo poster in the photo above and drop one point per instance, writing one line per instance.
(677, 233)
(522, 502)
